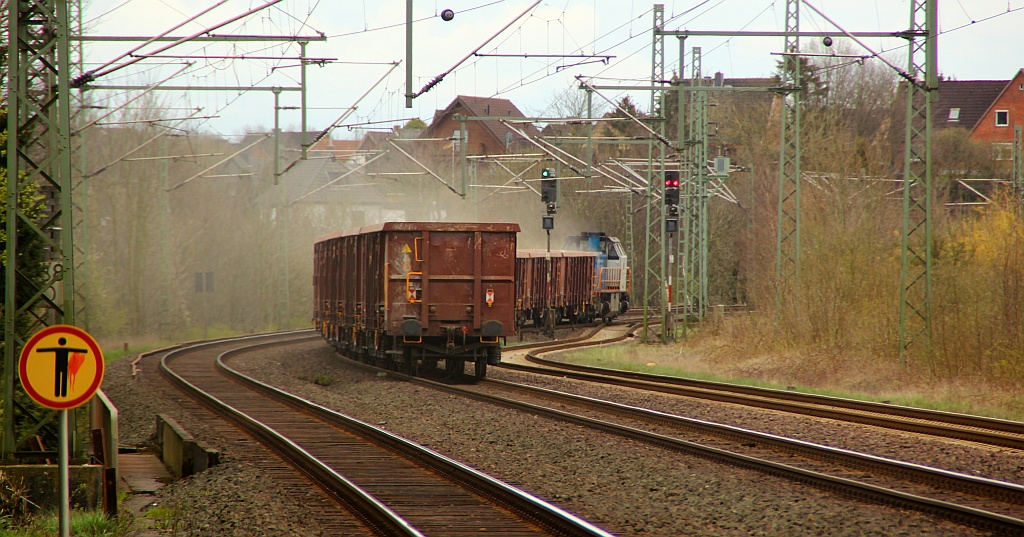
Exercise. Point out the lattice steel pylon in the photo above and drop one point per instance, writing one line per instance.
(1018, 165)
(787, 256)
(38, 152)
(695, 210)
(80, 100)
(655, 290)
(916, 251)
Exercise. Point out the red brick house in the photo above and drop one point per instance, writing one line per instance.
(988, 109)
(486, 137)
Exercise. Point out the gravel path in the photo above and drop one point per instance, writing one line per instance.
(626, 487)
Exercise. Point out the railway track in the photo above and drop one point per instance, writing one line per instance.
(393, 486)
(966, 427)
(986, 503)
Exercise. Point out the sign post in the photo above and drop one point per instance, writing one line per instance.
(61, 368)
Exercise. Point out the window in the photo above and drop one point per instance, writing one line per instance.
(1002, 151)
(954, 114)
(1002, 118)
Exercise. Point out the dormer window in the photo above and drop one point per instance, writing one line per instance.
(1002, 118)
(954, 114)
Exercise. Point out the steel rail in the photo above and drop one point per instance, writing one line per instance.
(527, 507)
(990, 488)
(538, 511)
(932, 422)
(852, 488)
(375, 514)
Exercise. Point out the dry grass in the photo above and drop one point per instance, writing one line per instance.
(728, 354)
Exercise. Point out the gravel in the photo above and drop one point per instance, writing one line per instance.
(623, 486)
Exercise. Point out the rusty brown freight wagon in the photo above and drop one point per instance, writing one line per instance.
(405, 295)
(568, 296)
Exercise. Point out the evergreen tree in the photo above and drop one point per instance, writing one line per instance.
(815, 88)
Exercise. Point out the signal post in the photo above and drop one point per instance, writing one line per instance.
(549, 196)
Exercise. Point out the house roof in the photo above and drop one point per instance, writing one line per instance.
(316, 181)
(972, 97)
(762, 82)
(1016, 78)
(330, 144)
(373, 140)
(482, 107)
(748, 98)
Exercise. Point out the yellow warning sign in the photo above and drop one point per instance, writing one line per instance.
(61, 367)
(406, 249)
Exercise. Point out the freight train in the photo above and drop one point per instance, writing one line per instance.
(587, 280)
(407, 295)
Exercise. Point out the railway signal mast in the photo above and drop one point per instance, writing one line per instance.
(671, 202)
(549, 196)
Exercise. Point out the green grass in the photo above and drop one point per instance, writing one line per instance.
(319, 380)
(164, 518)
(118, 353)
(83, 524)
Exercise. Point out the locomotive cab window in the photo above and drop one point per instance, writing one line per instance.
(608, 249)
(613, 249)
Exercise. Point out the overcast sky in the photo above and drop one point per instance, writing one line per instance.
(606, 39)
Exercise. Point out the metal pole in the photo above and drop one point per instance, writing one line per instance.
(62, 475)
(654, 231)
(13, 185)
(681, 271)
(787, 240)
(38, 57)
(287, 270)
(1018, 165)
(408, 54)
(549, 316)
(302, 92)
(277, 134)
(916, 251)
(590, 137)
(463, 140)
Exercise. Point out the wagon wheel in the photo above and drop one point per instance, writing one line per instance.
(494, 355)
(409, 365)
(454, 366)
(481, 367)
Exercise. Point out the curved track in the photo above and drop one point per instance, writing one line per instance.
(828, 477)
(984, 503)
(932, 422)
(393, 486)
